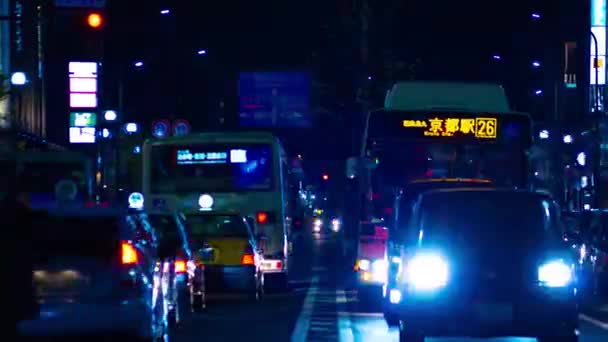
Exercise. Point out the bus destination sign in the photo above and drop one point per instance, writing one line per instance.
(481, 128)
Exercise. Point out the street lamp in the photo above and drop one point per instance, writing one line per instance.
(18, 80)
(597, 136)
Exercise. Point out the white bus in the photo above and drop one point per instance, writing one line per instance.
(238, 172)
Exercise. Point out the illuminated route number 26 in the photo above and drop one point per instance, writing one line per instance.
(485, 128)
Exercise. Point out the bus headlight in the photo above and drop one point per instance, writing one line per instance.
(556, 273)
(363, 265)
(427, 272)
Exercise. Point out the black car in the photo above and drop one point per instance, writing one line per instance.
(404, 202)
(486, 263)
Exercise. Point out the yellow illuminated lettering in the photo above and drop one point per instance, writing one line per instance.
(414, 123)
(435, 128)
(486, 128)
(451, 126)
(467, 126)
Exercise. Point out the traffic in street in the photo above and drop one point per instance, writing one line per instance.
(319, 307)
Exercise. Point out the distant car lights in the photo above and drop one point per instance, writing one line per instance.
(205, 202)
(136, 200)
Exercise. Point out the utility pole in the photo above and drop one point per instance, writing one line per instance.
(597, 137)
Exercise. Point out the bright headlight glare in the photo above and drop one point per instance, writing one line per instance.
(379, 270)
(364, 265)
(556, 273)
(427, 272)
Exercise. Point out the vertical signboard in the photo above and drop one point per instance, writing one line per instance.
(83, 83)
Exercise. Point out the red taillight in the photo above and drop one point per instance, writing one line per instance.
(180, 266)
(128, 254)
(262, 217)
(248, 259)
(278, 265)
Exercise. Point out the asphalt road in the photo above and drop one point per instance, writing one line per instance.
(318, 308)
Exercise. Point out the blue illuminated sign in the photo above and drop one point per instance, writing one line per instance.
(185, 157)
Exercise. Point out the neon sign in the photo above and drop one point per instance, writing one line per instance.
(480, 128)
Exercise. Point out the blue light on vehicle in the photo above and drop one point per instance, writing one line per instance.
(136, 200)
(427, 272)
(556, 273)
(205, 202)
(238, 156)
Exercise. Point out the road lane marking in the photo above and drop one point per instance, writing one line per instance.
(596, 322)
(300, 332)
(362, 314)
(345, 330)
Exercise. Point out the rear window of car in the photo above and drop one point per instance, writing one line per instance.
(165, 226)
(413, 191)
(79, 236)
(493, 218)
(206, 226)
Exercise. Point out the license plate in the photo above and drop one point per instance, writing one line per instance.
(66, 281)
(494, 312)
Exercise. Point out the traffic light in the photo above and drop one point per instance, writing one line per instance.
(325, 177)
(95, 20)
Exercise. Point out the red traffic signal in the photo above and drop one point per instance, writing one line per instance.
(95, 20)
(325, 177)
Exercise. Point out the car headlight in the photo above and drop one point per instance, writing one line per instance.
(427, 272)
(556, 273)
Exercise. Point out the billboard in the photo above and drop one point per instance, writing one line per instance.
(274, 99)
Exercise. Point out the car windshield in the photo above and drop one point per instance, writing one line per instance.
(485, 218)
(217, 226)
(412, 191)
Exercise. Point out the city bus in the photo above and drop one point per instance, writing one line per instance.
(221, 172)
(437, 130)
(440, 129)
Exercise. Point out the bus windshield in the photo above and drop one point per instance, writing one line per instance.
(407, 145)
(211, 167)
